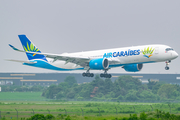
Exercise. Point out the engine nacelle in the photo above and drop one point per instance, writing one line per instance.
(133, 67)
(99, 64)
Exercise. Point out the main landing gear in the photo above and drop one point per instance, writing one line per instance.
(105, 75)
(87, 74)
(167, 63)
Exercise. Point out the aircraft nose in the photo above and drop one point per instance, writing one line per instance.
(175, 54)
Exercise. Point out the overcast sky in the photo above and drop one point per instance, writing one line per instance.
(58, 26)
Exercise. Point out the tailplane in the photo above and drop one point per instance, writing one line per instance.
(28, 46)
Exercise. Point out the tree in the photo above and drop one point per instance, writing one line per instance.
(108, 86)
(132, 95)
(70, 80)
(156, 87)
(70, 95)
(147, 95)
(120, 97)
(97, 82)
(60, 95)
(143, 116)
(49, 117)
(37, 117)
(168, 91)
(128, 82)
(52, 91)
(151, 84)
(124, 88)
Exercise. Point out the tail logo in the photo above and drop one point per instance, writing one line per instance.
(31, 48)
(147, 52)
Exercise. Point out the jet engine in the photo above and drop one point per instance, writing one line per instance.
(99, 64)
(133, 67)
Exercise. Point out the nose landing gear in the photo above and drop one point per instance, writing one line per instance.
(167, 65)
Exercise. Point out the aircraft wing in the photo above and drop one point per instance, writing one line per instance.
(82, 61)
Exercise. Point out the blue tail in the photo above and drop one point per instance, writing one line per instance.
(28, 46)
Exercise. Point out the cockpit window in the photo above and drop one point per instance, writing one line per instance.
(168, 49)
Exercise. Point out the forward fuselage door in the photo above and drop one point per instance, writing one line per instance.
(156, 50)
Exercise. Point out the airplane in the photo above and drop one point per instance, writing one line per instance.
(131, 59)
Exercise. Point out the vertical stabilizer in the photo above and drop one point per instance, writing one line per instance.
(29, 46)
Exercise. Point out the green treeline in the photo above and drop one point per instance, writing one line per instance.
(16, 88)
(124, 88)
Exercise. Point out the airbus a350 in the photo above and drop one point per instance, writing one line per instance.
(131, 59)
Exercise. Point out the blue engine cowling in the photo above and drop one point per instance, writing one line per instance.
(133, 67)
(99, 64)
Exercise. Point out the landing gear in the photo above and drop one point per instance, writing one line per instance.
(105, 75)
(167, 63)
(166, 68)
(87, 74)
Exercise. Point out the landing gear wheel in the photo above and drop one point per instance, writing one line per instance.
(109, 75)
(91, 75)
(84, 74)
(101, 75)
(87, 74)
(166, 68)
(167, 64)
(105, 75)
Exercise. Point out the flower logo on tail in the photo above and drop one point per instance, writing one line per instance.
(31, 48)
(147, 52)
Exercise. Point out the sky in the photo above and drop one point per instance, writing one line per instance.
(60, 26)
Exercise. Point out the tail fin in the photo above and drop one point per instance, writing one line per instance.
(28, 46)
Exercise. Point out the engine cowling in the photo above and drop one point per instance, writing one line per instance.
(133, 67)
(99, 64)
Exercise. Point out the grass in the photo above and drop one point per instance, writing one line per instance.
(76, 107)
(28, 96)
(25, 103)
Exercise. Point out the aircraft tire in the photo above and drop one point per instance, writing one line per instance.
(109, 75)
(88, 74)
(166, 68)
(101, 75)
(106, 75)
(91, 75)
(84, 74)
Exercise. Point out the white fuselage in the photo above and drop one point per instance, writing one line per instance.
(122, 56)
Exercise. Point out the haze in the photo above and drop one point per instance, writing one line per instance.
(60, 26)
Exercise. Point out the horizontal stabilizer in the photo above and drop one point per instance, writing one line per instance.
(28, 62)
(15, 48)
